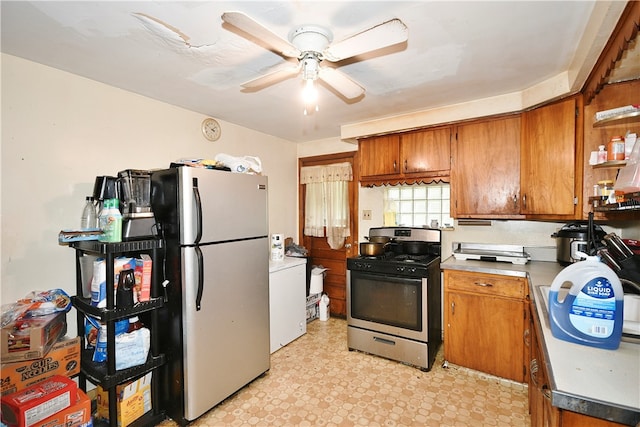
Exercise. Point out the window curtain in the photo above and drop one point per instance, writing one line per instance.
(327, 202)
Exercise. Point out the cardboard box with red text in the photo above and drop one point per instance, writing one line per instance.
(76, 415)
(38, 401)
(62, 359)
(32, 338)
(143, 277)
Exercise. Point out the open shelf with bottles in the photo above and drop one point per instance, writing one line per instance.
(105, 374)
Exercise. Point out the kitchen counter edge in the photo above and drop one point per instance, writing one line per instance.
(541, 273)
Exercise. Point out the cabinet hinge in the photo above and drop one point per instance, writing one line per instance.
(575, 201)
(577, 112)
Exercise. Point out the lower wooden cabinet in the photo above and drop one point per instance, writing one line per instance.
(486, 319)
(543, 413)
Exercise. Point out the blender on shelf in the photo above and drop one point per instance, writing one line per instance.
(138, 220)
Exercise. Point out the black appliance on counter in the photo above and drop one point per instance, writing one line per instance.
(394, 300)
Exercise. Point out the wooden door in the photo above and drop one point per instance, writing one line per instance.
(335, 281)
(379, 155)
(426, 151)
(548, 160)
(485, 333)
(485, 169)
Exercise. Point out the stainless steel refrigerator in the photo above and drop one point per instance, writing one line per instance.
(215, 323)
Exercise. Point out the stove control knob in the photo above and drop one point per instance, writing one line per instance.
(400, 269)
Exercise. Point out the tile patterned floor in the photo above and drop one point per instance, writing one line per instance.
(316, 381)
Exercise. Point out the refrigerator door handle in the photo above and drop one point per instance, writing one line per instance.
(200, 277)
(196, 195)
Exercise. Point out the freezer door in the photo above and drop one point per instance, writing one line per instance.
(227, 339)
(220, 206)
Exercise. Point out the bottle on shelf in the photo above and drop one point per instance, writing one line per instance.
(602, 154)
(111, 222)
(616, 148)
(88, 219)
(135, 324)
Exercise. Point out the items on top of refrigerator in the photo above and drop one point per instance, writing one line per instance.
(243, 164)
(200, 163)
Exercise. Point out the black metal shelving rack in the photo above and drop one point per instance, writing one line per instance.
(105, 374)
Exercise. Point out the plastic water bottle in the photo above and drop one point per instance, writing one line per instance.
(88, 219)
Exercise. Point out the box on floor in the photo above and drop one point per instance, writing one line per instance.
(62, 359)
(39, 401)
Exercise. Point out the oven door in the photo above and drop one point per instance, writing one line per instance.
(388, 304)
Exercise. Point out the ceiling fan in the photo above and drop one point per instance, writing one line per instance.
(311, 45)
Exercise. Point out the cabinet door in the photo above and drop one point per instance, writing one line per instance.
(379, 155)
(426, 151)
(485, 333)
(485, 169)
(548, 160)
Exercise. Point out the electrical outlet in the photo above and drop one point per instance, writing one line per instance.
(366, 214)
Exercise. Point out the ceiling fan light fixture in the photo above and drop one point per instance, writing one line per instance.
(310, 96)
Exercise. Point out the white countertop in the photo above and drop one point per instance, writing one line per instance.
(583, 379)
(287, 262)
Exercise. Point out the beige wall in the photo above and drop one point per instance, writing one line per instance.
(59, 131)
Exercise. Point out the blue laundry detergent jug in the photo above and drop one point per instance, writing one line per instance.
(592, 312)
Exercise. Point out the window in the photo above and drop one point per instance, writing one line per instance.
(417, 205)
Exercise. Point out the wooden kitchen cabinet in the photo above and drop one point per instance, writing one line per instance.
(412, 155)
(542, 411)
(550, 173)
(485, 169)
(486, 317)
(379, 156)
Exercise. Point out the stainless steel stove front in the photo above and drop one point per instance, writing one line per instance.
(395, 316)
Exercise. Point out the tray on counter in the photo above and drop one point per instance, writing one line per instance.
(490, 252)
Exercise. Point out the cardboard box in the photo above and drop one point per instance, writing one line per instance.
(134, 400)
(143, 277)
(76, 415)
(62, 359)
(32, 338)
(39, 401)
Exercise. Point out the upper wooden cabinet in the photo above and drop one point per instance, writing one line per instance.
(548, 178)
(408, 156)
(485, 169)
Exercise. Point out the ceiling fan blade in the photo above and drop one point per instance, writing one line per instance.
(382, 35)
(279, 74)
(262, 34)
(340, 82)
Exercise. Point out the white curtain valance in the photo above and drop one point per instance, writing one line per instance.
(326, 173)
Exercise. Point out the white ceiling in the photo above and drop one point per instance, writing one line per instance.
(180, 53)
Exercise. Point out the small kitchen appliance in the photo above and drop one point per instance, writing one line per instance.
(135, 198)
(491, 252)
(105, 188)
(573, 238)
(394, 299)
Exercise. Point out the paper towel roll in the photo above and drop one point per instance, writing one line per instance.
(277, 247)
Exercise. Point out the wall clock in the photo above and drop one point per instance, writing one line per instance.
(211, 129)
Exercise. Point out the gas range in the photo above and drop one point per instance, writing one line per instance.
(397, 264)
(400, 263)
